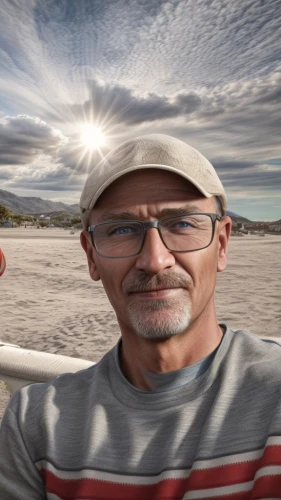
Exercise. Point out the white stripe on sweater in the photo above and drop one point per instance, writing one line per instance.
(217, 492)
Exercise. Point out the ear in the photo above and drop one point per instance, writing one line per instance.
(223, 237)
(86, 243)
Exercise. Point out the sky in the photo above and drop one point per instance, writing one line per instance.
(206, 71)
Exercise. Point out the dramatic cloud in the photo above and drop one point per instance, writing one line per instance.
(236, 100)
(119, 104)
(49, 179)
(23, 138)
(28, 154)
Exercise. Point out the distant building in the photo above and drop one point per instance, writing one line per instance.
(257, 226)
(264, 227)
(7, 223)
(44, 217)
(275, 227)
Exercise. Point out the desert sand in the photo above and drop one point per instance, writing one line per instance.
(48, 301)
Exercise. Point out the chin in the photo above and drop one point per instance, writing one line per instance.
(162, 325)
(159, 319)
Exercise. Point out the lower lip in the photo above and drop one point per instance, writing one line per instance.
(158, 294)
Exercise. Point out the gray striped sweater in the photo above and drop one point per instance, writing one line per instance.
(93, 436)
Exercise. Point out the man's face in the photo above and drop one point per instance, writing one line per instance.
(185, 282)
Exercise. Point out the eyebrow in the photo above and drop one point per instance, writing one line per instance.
(165, 212)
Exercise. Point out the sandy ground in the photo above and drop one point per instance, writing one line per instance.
(48, 301)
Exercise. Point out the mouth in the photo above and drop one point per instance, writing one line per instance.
(157, 292)
(156, 289)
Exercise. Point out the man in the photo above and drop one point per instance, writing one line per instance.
(181, 407)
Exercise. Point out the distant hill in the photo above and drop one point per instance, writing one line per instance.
(237, 217)
(30, 205)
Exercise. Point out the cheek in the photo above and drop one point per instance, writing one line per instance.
(209, 272)
(202, 268)
(112, 273)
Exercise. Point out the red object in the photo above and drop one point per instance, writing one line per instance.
(2, 262)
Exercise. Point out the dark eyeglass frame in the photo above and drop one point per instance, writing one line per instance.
(154, 224)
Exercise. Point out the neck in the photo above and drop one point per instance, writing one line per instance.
(139, 355)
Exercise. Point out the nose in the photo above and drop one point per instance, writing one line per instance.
(154, 256)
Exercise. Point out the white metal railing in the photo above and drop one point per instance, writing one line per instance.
(19, 366)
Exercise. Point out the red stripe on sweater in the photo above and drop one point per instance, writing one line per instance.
(272, 455)
(225, 475)
(228, 474)
(267, 487)
(92, 489)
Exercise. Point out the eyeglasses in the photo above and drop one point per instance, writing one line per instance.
(181, 233)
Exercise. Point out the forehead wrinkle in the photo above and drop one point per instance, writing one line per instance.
(165, 212)
(111, 216)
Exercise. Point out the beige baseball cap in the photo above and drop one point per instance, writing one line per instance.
(151, 151)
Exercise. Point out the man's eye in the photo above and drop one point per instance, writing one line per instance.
(180, 224)
(121, 230)
(183, 224)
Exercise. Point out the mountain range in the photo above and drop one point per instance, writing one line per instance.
(30, 205)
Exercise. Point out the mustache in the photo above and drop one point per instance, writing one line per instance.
(145, 283)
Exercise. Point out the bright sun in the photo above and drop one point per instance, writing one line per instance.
(91, 137)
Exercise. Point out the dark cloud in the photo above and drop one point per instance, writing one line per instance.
(269, 96)
(120, 104)
(188, 103)
(4, 174)
(23, 138)
(57, 178)
(242, 175)
(250, 179)
(232, 165)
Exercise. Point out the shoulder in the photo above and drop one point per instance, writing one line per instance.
(257, 347)
(65, 392)
(255, 358)
(45, 413)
